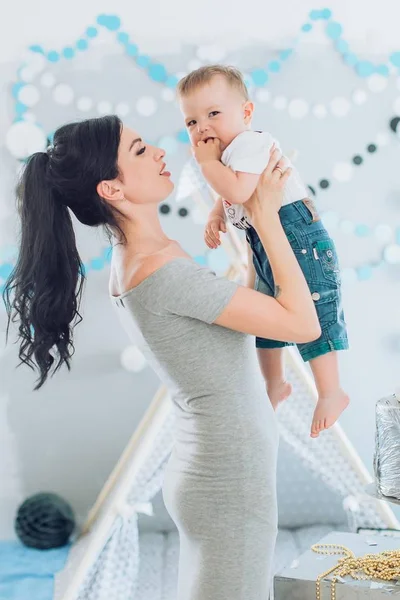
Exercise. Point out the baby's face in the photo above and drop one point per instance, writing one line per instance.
(215, 110)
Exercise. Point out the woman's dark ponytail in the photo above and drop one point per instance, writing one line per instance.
(48, 277)
(44, 290)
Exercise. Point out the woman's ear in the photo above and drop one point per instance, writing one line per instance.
(109, 191)
(248, 109)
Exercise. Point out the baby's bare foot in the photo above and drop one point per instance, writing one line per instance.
(278, 392)
(327, 411)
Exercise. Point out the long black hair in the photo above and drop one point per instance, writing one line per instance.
(44, 290)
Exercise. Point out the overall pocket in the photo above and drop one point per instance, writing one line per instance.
(325, 253)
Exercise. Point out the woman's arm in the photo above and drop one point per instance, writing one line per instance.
(291, 315)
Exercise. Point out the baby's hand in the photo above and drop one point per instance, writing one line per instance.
(207, 151)
(214, 225)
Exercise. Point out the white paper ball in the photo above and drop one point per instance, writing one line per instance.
(392, 254)
(298, 108)
(132, 359)
(84, 104)
(319, 111)
(146, 106)
(263, 95)
(377, 83)
(29, 95)
(23, 139)
(211, 53)
(104, 107)
(359, 97)
(63, 94)
(340, 107)
(343, 171)
(35, 61)
(168, 95)
(122, 109)
(27, 74)
(48, 80)
(383, 233)
(280, 102)
(29, 117)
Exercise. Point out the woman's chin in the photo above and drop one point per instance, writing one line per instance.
(169, 185)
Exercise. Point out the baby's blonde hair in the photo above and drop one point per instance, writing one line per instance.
(204, 75)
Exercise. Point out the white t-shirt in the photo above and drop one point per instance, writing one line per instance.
(249, 152)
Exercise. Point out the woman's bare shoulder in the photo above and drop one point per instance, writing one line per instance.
(128, 274)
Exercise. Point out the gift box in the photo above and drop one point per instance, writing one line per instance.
(298, 580)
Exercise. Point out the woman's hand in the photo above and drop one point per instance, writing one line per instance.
(268, 195)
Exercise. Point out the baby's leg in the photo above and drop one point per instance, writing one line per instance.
(273, 369)
(331, 398)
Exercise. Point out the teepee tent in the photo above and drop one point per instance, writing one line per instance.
(104, 562)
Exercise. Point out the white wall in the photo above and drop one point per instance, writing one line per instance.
(67, 437)
(188, 21)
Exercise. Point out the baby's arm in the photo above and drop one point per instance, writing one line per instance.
(218, 209)
(235, 187)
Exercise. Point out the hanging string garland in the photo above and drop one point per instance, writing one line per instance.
(297, 108)
(391, 251)
(26, 95)
(25, 136)
(338, 107)
(343, 171)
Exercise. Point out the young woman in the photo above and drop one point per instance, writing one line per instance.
(196, 332)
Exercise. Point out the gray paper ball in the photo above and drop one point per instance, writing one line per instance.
(44, 521)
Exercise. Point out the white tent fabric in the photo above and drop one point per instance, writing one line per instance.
(104, 564)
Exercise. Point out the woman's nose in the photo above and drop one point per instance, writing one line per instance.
(159, 153)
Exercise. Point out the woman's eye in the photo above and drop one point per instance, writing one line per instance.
(141, 151)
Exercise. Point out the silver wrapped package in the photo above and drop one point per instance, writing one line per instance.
(387, 446)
